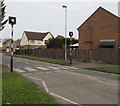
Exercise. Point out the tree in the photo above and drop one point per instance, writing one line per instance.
(59, 43)
(55, 43)
(2, 15)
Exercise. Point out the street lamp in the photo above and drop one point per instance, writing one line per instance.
(70, 34)
(65, 31)
(12, 21)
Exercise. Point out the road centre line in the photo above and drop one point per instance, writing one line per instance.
(63, 98)
(90, 78)
(47, 90)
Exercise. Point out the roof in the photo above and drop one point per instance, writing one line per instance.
(99, 9)
(35, 35)
(60, 37)
(6, 40)
(75, 44)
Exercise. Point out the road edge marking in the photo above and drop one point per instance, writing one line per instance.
(45, 86)
(68, 100)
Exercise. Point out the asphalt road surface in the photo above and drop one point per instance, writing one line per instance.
(69, 85)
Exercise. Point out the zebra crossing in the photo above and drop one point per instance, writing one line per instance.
(45, 69)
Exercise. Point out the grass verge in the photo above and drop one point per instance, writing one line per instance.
(43, 60)
(114, 70)
(17, 90)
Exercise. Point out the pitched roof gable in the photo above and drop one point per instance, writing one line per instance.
(99, 9)
(60, 36)
(35, 35)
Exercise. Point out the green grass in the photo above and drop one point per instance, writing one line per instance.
(106, 69)
(43, 60)
(17, 90)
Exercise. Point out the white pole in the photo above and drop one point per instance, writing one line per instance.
(65, 31)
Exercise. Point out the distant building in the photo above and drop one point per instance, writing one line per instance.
(60, 37)
(31, 40)
(0, 45)
(100, 30)
(6, 46)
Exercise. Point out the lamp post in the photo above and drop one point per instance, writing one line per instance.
(65, 31)
(12, 21)
(70, 34)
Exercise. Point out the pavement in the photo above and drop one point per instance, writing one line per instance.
(69, 84)
(89, 65)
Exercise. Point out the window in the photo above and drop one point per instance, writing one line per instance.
(107, 43)
(46, 41)
(32, 41)
(39, 42)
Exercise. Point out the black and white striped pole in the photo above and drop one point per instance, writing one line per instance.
(12, 21)
(70, 34)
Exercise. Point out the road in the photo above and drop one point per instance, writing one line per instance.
(69, 85)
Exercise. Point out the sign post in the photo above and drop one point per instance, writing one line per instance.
(12, 21)
(70, 34)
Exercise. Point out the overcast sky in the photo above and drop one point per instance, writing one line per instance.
(49, 16)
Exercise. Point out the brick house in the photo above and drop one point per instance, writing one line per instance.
(100, 30)
(31, 40)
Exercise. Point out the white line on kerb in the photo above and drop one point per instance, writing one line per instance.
(45, 86)
(63, 98)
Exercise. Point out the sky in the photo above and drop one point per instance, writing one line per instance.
(50, 16)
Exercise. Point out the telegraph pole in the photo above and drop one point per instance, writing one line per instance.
(65, 31)
(12, 21)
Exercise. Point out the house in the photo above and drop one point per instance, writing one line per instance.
(6, 46)
(32, 40)
(17, 42)
(100, 30)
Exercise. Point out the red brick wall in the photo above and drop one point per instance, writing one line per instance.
(102, 25)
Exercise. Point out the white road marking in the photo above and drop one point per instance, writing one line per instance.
(58, 71)
(54, 68)
(63, 98)
(42, 68)
(9, 66)
(45, 86)
(65, 67)
(27, 74)
(34, 78)
(91, 78)
(30, 69)
(19, 70)
(27, 63)
(74, 68)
